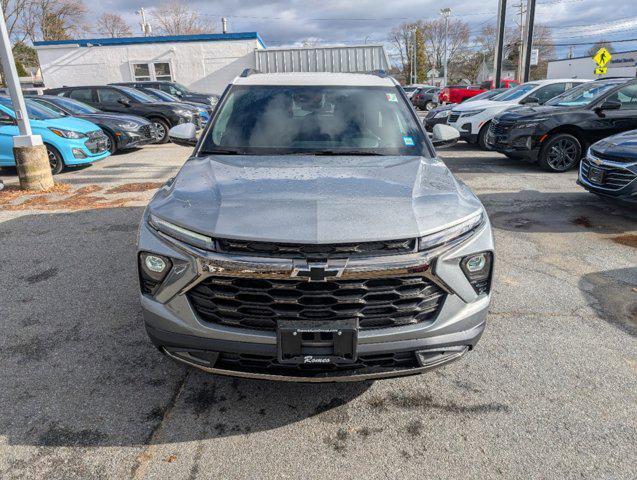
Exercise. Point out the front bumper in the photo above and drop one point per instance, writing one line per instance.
(619, 180)
(174, 326)
(127, 139)
(520, 143)
(82, 151)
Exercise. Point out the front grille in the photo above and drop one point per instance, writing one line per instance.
(454, 117)
(613, 158)
(614, 178)
(260, 303)
(270, 365)
(97, 141)
(331, 250)
(499, 128)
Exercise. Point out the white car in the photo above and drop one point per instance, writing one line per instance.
(472, 119)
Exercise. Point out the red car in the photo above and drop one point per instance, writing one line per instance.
(459, 93)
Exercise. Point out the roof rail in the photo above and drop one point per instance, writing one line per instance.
(248, 71)
(379, 73)
(615, 78)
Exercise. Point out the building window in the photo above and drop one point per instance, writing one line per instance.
(158, 71)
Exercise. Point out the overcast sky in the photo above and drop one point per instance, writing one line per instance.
(288, 22)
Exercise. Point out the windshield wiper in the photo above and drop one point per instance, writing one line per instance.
(222, 151)
(343, 152)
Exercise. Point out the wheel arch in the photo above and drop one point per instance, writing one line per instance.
(574, 130)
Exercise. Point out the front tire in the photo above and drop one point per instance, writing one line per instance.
(482, 136)
(560, 153)
(429, 106)
(55, 159)
(162, 127)
(111, 145)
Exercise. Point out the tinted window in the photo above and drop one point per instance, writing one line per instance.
(299, 119)
(34, 110)
(50, 106)
(138, 95)
(110, 95)
(75, 106)
(549, 91)
(82, 94)
(627, 96)
(581, 95)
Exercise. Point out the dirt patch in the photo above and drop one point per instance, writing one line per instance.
(74, 202)
(13, 192)
(630, 240)
(135, 187)
(582, 221)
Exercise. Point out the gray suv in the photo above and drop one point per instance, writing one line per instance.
(313, 235)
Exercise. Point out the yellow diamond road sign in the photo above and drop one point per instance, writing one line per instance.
(601, 70)
(602, 57)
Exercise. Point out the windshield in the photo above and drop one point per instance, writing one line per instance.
(315, 120)
(180, 87)
(515, 92)
(166, 97)
(139, 96)
(488, 95)
(581, 95)
(72, 106)
(34, 110)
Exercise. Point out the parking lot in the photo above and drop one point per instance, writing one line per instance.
(549, 392)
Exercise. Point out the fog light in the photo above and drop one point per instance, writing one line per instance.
(154, 263)
(79, 153)
(477, 268)
(474, 264)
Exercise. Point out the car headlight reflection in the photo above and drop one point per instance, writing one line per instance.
(187, 236)
(452, 233)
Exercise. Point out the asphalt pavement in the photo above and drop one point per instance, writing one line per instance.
(549, 392)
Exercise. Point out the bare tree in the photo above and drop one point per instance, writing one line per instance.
(16, 17)
(57, 19)
(600, 44)
(113, 25)
(402, 39)
(434, 39)
(176, 18)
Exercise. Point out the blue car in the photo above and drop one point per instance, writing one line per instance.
(68, 140)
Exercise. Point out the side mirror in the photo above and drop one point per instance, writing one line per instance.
(124, 101)
(444, 135)
(610, 105)
(528, 100)
(184, 134)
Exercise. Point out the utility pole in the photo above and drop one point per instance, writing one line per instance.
(528, 44)
(31, 159)
(520, 7)
(499, 44)
(145, 26)
(415, 62)
(445, 12)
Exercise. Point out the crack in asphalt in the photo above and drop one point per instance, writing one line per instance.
(143, 460)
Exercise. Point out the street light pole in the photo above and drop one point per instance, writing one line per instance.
(32, 162)
(499, 44)
(445, 12)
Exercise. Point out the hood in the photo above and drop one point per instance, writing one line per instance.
(478, 104)
(308, 199)
(621, 147)
(113, 118)
(68, 123)
(529, 113)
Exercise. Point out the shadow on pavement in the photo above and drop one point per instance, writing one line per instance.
(563, 212)
(78, 369)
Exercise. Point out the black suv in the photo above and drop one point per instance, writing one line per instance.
(558, 133)
(175, 89)
(163, 115)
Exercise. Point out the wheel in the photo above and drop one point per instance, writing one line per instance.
(560, 153)
(429, 106)
(482, 136)
(162, 128)
(111, 144)
(55, 159)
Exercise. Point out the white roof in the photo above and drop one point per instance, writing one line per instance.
(316, 79)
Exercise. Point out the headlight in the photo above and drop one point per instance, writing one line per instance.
(440, 238)
(128, 125)
(188, 236)
(184, 113)
(530, 124)
(477, 268)
(471, 113)
(443, 114)
(67, 133)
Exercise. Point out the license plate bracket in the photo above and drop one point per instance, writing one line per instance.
(317, 342)
(596, 175)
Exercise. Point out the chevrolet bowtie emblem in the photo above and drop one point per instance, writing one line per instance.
(317, 271)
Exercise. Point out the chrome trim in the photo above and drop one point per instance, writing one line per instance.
(596, 162)
(609, 163)
(342, 378)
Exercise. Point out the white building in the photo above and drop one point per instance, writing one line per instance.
(622, 64)
(204, 63)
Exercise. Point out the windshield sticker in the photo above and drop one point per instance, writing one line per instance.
(391, 97)
(409, 141)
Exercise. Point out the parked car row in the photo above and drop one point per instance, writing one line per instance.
(83, 124)
(560, 124)
(426, 97)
